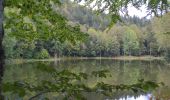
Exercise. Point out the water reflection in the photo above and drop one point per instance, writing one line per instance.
(142, 97)
(122, 72)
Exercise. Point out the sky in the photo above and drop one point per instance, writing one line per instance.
(132, 11)
(140, 13)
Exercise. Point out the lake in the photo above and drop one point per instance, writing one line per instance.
(121, 72)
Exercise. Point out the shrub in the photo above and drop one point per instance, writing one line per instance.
(43, 54)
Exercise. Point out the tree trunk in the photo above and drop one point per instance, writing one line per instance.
(1, 29)
(1, 47)
(150, 51)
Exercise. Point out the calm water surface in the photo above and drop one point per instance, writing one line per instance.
(123, 72)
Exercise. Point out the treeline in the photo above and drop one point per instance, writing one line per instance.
(84, 16)
(133, 37)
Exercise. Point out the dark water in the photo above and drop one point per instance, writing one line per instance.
(122, 72)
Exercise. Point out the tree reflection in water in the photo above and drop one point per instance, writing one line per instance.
(68, 85)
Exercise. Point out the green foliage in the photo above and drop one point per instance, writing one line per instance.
(9, 44)
(29, 32)
(161, 29)
(156, 7)
(102, 73)
(43, 22)
(130, 42)
(40, 24)
(84, 16)
(43, 54)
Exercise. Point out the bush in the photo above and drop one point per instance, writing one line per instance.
(93, 53)
(43, 54)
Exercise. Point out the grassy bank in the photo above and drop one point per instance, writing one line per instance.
(120, 58)
(139, 58)
(19, 61)
(145, 58)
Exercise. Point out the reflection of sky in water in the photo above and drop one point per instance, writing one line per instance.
(143, 97)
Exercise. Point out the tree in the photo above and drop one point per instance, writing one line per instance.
(43, 54)
(1, 28)
(44, 22)
(114, 7)
(1, 47)
(9, 44)
(161, 29)
(130, 42)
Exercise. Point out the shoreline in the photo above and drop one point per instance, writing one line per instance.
(114, 58)
(127, 58)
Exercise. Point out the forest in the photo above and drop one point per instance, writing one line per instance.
(132, 36)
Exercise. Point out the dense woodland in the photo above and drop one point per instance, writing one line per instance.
(130, 36)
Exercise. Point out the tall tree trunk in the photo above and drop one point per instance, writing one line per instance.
(1, 27)
(1, 47)
(150, 51)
